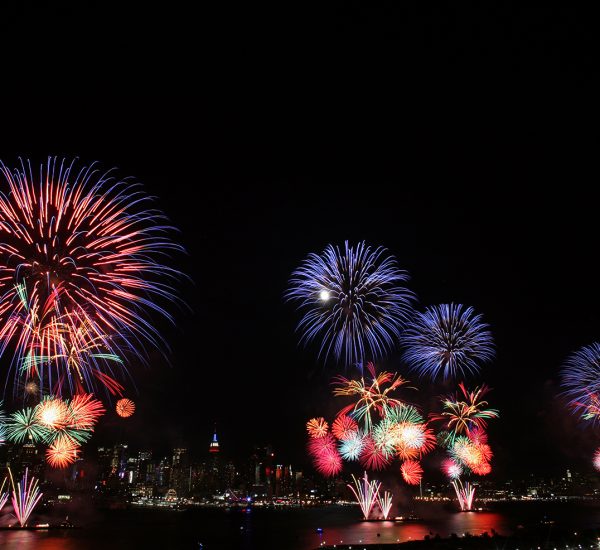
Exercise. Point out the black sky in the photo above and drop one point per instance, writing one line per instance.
(445, 136)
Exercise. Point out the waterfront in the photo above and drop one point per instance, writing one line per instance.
(289, 529)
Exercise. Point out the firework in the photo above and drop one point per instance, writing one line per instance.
(3, 494)
(24, 426)
(447, 340)
(451, 468)
(474, 456)
(82, 255)
(2, 425)
(62, 452)
(73, 420)
(125, 407)
(366, 493)
(465, 493)
(52, 413)
(372, 395)
(326, 458)
(463, 414)
(351, 448)
(385, 503)
(580, 378)
(353, 299)
(411, 472)
(25, 496)
(344, 427)
(317, 427)
(85, 411)
(373, 457)
(31, 388)
(597, 459)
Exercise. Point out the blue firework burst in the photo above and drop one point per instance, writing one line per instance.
(447, 340)
(354, 300)
(580, 379)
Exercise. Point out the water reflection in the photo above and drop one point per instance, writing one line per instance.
(367, 532)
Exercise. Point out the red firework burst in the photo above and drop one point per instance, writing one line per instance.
(411, 472)
(344, 427)
(79, 249)
(372, 457)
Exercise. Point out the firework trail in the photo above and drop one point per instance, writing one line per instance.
(446, 341)
(25, 496)
(366, 493)
(465, 492)
(385, 503)
(3, 494)
(83, 265)
(353, 299)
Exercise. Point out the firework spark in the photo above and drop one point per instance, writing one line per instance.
(447, 340)
(25, 496)
(411, 472)
(79, 251)
(366, 493)
(353, 299)
(317, 427)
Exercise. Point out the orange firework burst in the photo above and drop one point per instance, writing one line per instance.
(344, 427)
(411, 472)
(317, 427)
(125, 407)
(53, 413)
(62, 452)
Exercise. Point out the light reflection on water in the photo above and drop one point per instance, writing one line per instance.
(389, 531)
(289, 529)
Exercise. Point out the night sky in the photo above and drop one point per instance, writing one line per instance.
(444, 139)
